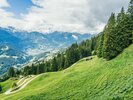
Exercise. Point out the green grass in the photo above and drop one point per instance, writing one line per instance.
(96, 79)
(7, 84)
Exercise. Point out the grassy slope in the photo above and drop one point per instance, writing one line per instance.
(7, 84)
(96, 79)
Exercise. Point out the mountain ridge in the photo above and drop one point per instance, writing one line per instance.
(35, 45)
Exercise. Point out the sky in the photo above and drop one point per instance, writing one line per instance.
(45, 16)
(19, 6)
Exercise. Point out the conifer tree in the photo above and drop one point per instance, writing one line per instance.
(11, 72)
(100, 45)
(130, 8)
(130, 18)
(72, 55)
(120, 15)
(107, 44)
(54, 65)
(132, 38)
(38, 69)
(62, 61)
(122, 32)
(0, 88)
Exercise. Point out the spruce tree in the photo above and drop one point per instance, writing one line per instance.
(72, 55)
(62, 61)
(130, 19)
(123, 33)
(100, 45)
(130, 8)
(132, 38)
(0, 88)
(38, 69)
(11, 72)
(54, 65)
(84, 52)
(107, 44)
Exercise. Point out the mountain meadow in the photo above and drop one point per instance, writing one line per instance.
(100, 68)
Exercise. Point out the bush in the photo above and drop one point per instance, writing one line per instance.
(4, 78)
(0, 88)
(14, 85)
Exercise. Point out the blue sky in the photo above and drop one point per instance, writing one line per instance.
(19, 6)
(81, 16)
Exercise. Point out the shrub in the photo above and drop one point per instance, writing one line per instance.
(14, 85)
(0, 88)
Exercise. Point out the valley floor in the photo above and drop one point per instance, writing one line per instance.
(96, 79)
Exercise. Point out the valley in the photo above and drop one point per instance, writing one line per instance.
(17, 49)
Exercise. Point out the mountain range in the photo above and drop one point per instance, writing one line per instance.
(19, 47)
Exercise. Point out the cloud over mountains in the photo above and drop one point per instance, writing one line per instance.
(82, 16)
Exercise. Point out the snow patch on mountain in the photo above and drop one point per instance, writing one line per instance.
(5, 48)
(4, 56)
(75, 37)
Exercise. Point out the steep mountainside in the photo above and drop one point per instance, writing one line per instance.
(96, 79)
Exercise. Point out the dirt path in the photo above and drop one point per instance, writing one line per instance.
(22, 85)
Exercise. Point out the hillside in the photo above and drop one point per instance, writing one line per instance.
(95, 79)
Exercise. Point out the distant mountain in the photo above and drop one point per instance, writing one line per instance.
(6, 37)
(18, 48)
(35, 43)
(10, 56)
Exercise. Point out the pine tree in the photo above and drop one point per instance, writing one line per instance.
(72, 55)
(38, 69)
(17, 72)
(11, 72)
(130, 19)
(0, 88)
(130, 15)
(117, 34)
(121, 15)
(132, 38)
(68, 60)
(62, 61)
(107, 44)
(84, 52)
(54, 65)
(29, 70)
(122, 32)
(100, 45)
(130, 8)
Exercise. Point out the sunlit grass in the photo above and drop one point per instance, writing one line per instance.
(96, 79)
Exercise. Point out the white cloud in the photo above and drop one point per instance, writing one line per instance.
(82, 16)
(61, 15)
(4, 3)
(5, 17)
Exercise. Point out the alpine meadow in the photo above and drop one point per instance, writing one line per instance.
(66, 50)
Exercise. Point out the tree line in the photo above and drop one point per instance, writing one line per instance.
(59, 62)
(63, 60)
(117, 34)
